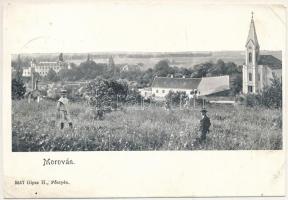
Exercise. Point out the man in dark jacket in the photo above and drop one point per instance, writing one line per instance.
(204, 125)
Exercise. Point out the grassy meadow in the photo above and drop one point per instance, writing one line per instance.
(35, 128)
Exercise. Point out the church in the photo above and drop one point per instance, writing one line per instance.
(258, 69)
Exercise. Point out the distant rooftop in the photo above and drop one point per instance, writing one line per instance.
(176, 83)
(271, 61)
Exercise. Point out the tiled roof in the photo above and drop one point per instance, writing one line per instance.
(176, 83)
(205, 85)
(271, 61)
(211, 85)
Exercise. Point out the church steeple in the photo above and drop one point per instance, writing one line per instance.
(250, 69)
(252, 36)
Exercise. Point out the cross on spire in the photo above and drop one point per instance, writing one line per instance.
(252, 13)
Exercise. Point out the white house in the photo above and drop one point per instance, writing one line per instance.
(191, 86)
(258, 69)
(146, 92)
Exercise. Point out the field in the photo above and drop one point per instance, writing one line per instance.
(35, 128)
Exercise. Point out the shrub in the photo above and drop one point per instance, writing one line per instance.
(176, 98)
(18, 89)
(270, 97)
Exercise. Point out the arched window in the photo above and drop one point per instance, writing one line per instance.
(250, 57)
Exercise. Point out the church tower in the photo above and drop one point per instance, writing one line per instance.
(250, 69)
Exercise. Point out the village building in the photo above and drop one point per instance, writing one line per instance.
(193, 87)
(258, 69)
(43, 67)
(130, 67)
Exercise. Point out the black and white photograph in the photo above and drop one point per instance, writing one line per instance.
(143, 99)
(194, 78)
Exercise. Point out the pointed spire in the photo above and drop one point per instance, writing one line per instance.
(252, 33)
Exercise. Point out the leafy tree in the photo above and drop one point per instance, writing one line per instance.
(61, 59)
(162, 68)
(175, 98)
(236, 86)
(90, 70)
(133, 97)
(18, 88)
(52, 75)
(231, 68)
(111, 63)
(202, 70)
(100, 94)
(272, 95)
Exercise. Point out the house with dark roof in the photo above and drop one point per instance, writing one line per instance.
(161, 86)
(258, 69)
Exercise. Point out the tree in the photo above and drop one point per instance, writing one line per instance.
(52, 75)
(88, 58)
(18, 88)
(176, 98)
(272, 95)
(236, 86)
(162, 68)
(61, 59)
(90, 70)
(101, 96)
(202, 70)
(111, 63)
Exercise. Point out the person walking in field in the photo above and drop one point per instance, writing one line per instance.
(62, 109)
(204, 125)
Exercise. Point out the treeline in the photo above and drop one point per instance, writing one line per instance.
(89, 70)
(82, 56)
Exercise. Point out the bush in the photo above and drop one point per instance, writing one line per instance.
(270, 97)
(105, 94)
(18, 89)
(176, 98)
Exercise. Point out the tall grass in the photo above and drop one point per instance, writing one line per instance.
(35, 128)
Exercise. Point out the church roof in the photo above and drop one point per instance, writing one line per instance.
(271, 61)
(252, 34)
(176, 83)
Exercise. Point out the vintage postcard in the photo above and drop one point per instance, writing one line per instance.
(107, 99)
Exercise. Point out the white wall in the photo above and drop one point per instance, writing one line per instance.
(160, 93)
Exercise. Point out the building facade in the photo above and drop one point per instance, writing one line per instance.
(43, 67)
(258, 69)
(193, 87)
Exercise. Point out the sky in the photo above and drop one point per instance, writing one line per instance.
(151, 27)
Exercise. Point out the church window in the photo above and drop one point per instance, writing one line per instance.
(250, 89)
(258, 77)
(250, 76)
(250, 57)
(156, 91)
(163, 91)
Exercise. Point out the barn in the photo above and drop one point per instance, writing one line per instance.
(199, 86)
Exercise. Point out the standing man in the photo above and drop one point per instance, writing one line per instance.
(62, 109)
(204, 125)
